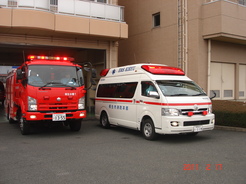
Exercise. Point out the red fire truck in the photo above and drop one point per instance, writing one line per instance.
(48, 90)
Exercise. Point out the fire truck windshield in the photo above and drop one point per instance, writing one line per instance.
(55, 76)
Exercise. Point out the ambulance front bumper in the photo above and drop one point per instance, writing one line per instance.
(179, 125)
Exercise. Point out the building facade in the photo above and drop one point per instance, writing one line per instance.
(206, 38)
(88, 30)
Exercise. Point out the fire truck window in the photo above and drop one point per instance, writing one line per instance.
(34, 78)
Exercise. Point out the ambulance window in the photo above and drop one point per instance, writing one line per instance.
(117, 90)
(147, 86)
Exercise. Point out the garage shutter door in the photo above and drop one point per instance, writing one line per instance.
(223, 80)
(242, 81)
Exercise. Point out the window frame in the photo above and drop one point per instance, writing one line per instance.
(156, 19)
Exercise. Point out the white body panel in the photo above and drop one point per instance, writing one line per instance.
(130, 112)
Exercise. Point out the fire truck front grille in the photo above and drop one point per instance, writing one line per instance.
(192, 123)
(58, 106)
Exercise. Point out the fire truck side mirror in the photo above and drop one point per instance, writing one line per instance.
(19, 74)
(93, 73)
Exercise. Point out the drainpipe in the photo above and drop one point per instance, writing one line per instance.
(209, 66)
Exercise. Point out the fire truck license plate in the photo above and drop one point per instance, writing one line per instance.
(58, 117)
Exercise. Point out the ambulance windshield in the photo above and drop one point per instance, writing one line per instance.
(180, 88)
(55, 76)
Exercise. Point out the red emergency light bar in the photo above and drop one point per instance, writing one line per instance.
(57, 58)
(104, 72)
(163, 70)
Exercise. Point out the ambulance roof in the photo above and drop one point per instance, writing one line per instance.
(151, 69)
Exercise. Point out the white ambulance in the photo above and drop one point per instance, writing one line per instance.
(152, 98)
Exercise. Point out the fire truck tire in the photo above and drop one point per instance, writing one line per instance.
(24, 126)
(75, 125)
(148, 129)
(104, 120)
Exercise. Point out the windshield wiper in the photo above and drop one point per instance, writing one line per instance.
(179, 95)
(48, 83)
(200, 94)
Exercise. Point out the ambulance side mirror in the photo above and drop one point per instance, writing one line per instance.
(154, 94)
(19, 74)
(214, 95)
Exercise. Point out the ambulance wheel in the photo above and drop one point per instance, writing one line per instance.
(148, 129)
(75, 125)
(24, 126)
(104, 120)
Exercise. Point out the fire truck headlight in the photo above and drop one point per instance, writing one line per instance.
(81, 104)
(32, 104)
(169, 112)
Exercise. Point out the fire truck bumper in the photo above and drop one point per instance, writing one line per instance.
(61, 116)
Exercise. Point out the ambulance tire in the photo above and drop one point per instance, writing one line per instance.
(148, 129)
(104, 120)
(75, 125)
(24, 125)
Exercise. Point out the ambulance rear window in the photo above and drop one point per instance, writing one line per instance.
(117, 90)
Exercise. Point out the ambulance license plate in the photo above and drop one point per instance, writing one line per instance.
(58, 117)
(198, 128)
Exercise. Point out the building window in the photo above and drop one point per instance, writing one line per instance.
(243, 2)
(54, 2)
(100, 1)
(156, 19)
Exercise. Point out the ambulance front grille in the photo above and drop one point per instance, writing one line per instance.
(192, 123)
(197, 112)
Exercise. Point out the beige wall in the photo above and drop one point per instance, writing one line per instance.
(145, 43)
(219, 20)
(55, 23)
(223, 18)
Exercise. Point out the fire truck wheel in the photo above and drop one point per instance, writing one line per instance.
(24, 126)
(148, 129)
(104, 120)
(75, 125)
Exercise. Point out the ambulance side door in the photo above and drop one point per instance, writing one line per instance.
(125, 109)
(149, 103)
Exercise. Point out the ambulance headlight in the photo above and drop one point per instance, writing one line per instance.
(81, 104)
(210, 110)
(169, 112)
(32, 104)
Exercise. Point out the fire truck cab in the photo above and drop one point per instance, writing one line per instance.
(46, 89)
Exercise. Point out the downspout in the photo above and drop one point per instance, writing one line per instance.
(209, 66)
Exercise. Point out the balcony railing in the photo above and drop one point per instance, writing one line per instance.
(89, 8)
(239, 2)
